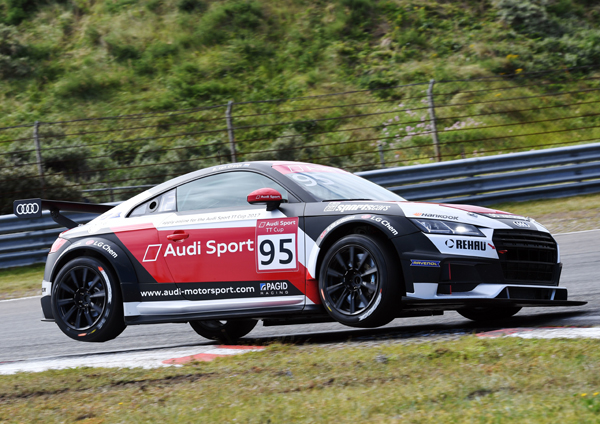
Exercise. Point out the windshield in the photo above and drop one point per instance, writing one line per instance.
(328, 184)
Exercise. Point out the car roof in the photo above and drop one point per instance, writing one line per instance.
(265, 167)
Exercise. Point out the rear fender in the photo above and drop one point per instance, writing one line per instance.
(113, 255)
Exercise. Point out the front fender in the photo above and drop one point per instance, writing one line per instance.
(390, 225)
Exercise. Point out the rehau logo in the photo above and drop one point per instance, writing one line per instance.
(467, 244)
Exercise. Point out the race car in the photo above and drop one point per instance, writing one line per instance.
(287, 243)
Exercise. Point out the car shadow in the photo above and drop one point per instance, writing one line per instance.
(415, 332)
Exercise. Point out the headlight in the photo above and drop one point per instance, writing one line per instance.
(433, 226)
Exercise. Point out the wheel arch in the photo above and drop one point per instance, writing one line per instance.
(359, 226)
(121, 267)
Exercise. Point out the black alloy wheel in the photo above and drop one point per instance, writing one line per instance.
(86, 301)
(225, 331)
(359, 282)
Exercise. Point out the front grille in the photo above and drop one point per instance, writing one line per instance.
(527, 257)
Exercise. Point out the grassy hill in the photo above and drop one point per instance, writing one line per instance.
(70, 59)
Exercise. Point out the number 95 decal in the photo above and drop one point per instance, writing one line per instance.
(276, 247)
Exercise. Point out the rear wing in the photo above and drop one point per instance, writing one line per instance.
(32, 208)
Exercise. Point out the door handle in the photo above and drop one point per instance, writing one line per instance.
(178, 235)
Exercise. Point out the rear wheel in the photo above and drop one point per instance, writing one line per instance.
(86, 301)
(488, 314)
(359, 282)
(225, 331)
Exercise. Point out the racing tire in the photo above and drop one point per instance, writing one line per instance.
(86, 301)
(227, 331)
(359, 282)
(483, 314)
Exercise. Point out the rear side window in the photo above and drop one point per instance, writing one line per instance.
(225, 190)
(160, 204)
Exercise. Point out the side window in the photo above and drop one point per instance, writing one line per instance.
(229, 189)
(163, 203)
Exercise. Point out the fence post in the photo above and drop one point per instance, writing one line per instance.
(38, 154)
(434, 135)
(381, 158)
(230, 130)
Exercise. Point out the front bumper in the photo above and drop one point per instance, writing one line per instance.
(456, 304)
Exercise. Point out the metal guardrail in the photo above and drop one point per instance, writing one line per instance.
(560, 172)
(27, 241)
(540, 174)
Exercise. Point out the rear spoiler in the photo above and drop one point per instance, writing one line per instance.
(32, 208)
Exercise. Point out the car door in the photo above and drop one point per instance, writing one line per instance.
(226, 254)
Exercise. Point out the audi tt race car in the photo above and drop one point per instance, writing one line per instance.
(287, 243)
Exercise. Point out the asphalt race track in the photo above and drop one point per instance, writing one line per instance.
(24, 336)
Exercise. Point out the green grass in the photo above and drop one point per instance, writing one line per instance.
(464, 381)
(543, 207)
(21, 281)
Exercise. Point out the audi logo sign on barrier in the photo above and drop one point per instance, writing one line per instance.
(28, 208)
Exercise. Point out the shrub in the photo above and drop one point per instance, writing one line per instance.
(527, 17)
(225, 21)
(12, 64)
(22, 182)
(190, 6)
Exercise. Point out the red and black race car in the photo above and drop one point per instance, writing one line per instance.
(287, 242)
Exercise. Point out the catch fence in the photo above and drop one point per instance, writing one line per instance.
(112, 158)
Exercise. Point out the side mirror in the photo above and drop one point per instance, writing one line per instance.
(269, 196)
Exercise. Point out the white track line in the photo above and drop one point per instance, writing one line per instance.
(21, 298)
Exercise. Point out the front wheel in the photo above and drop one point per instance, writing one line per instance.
(488, 314)
(86, 301)
(224, 331)
(359, 282)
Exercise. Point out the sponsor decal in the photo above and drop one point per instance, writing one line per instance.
(473, 215)
(276, 247)
(217, 290)
(27, 208)
(522, 224)
(372, 308)
(381, 221)
(467, 244)
(152, 252)
(435, 216)
(335, 224)
(365, 207)
(506, 216)
(214, 217)
(294, 168)
(268, 197)
(425, 263)
(195, 249)
(274, 288)
(102, 246)
(230, 166)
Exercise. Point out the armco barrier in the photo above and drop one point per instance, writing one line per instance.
(27, 241)
(560, 172)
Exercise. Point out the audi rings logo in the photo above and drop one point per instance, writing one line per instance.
(28, 208)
